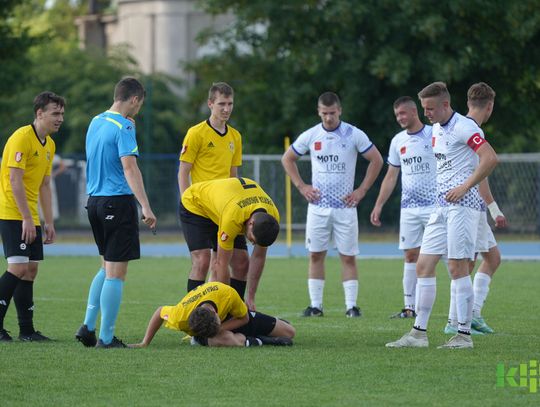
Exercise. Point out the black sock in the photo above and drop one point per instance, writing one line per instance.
(239, 286)
(8, 283)
(24, 301)
(192, 284)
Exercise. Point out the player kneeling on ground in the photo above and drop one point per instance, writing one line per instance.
(215, 315)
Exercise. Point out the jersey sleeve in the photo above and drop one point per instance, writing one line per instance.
(393, 154)
(19, 151)
(237, 157)
(301, 144)
(190, 147)
(229, 227)
(362, 141)
(238, 307)
(53, 155)
(472, 135)
(127, 142)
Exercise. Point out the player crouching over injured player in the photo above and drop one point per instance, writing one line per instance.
(215, 315)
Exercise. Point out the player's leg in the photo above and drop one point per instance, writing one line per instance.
(268, 329)
(318, 233)
(345, 231)
(482, 279)
(239, 265)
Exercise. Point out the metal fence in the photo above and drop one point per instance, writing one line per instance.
(515, 184)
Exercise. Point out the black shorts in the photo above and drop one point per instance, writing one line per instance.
(201, 233)
(115, 224)
(13, 245)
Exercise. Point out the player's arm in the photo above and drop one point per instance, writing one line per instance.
(387, 186)
(227, 338)
(19, 193)
(45, 200)
(488, 161)
(153, 326)
(256, 266)
(183, 176)
(234, 323)
(291, 168)
(135, 181)
(234, 172)
(487, 196)
(372, 172)
(220, 268)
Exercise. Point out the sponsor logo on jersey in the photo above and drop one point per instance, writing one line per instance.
(403, 150)
(317, 146)
(18, 157)
(224, 236)
(184, 149)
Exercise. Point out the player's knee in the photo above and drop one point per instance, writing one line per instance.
(285, 329)
(240, 264)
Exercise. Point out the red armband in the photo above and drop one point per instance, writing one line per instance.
(476, 141)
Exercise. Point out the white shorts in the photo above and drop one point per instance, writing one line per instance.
(451, 231)
(485, 239)
(412, 222)
(339, 226)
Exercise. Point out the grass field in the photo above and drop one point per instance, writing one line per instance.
(335, 361)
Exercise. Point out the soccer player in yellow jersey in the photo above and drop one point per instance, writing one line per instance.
(215, 315)
(24, 178)
(218, 211)
(212, 150)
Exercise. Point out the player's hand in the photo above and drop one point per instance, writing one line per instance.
(149, 218)
(28, 231)
(250, 302)
(354, 198)
(375, 216)
(50, 233)
(136, 345)
(455, 194)
(311, 194)
(500, 222)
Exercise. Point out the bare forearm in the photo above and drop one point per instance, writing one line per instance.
(387, 186)
(153, 327)
(135, 182)
(256, 267)
(45, 199)
(19, 194)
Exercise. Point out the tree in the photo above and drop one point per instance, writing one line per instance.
(280, 56)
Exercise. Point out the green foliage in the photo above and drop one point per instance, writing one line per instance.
(335, 361)
(281, 55)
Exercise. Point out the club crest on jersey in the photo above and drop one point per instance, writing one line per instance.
(403, 150)
(184, 149)
(317, 146)
(224, 236)
(18, 157)
(231, 146)
(48, 156)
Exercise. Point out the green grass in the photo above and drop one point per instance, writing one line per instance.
(335, 361)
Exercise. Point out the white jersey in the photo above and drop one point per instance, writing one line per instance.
(454, 144)
(412, 152)
(333, 160)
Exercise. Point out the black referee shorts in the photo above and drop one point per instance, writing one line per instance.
(115, 224)
(201, 233)
(13, 245)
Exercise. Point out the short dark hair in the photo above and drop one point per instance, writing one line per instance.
(329, 99)
(265, 229)
(404, 100)
(127, 88)
(44, 98)
(220, 87)
(480, 94)
(435, 89)
(202, 322)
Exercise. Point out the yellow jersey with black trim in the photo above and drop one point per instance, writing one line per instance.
(211, 153)
(225, 298)
(25, 150)
(228, 203)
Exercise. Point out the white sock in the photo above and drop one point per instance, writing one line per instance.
(452, 309)
(350, 288)
(464, 303)
(481, 289)
(409, 285)
(316, 289)
(426, 291)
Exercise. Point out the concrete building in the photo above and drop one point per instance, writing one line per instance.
(160, 34)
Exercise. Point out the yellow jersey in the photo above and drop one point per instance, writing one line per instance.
(225, 298)
(228, 203)
(212, 154)
(24, 150)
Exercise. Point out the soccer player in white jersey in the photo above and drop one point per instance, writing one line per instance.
(480, 101)
(334, 146)
(410, 151)
(464, 159)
